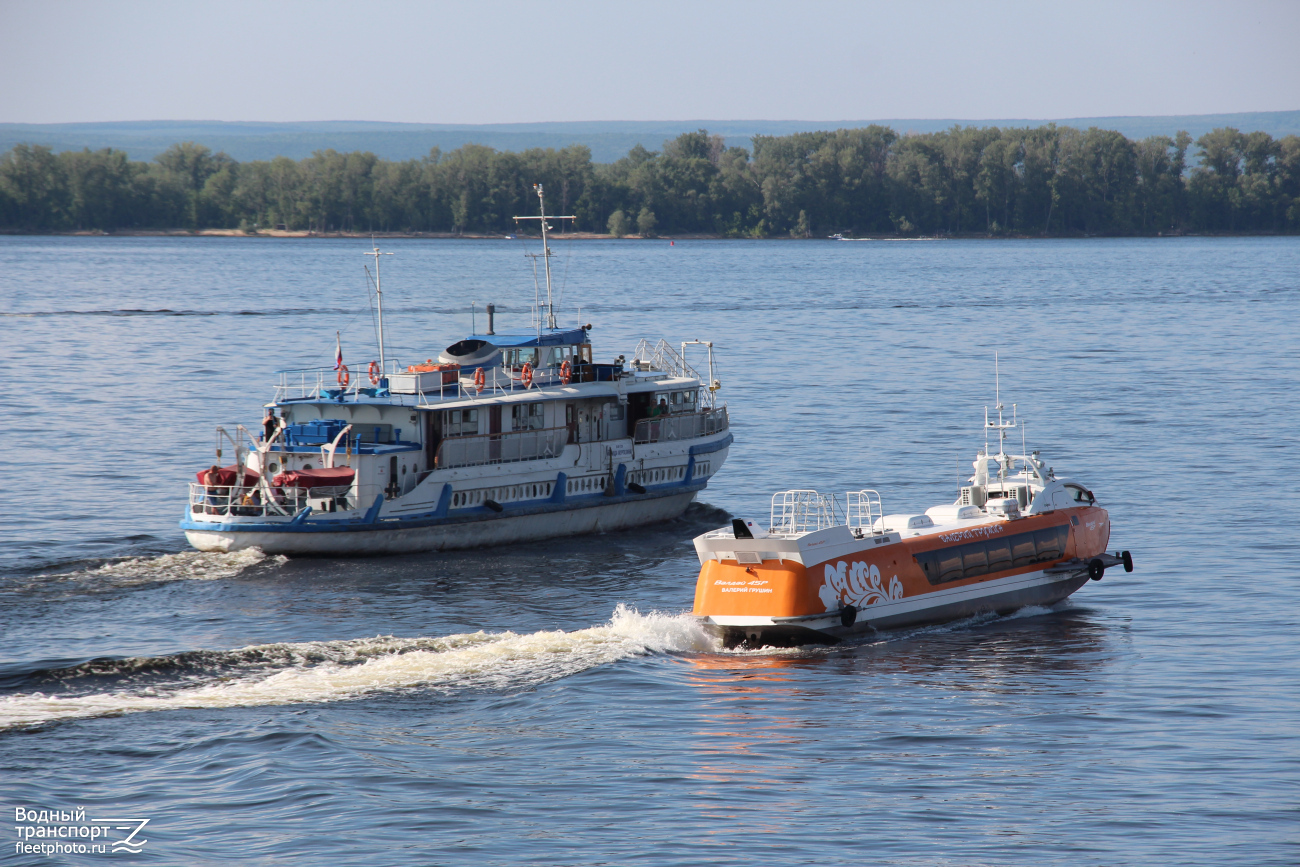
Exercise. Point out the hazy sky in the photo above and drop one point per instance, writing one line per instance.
(499, 61)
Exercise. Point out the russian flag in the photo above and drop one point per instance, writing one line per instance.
(338, 351)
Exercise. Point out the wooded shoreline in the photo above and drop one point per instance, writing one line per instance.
(1047, 181)
(598, 236)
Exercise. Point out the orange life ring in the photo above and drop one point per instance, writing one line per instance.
(373, 372)
(479, 379)
(526, 376)
(566, 372)
(344, 377)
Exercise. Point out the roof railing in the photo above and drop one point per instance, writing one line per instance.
(864, 511)
(662, 356)
(800, 511)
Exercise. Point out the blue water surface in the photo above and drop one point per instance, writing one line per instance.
(550, 704)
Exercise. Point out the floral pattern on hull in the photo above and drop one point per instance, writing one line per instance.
(858, 585)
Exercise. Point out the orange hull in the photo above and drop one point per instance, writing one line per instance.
(862, 583)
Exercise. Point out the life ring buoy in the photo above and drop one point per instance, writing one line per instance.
(566, 372)
(344, 377)
(373, 372)
(479, 379)
(526, 376)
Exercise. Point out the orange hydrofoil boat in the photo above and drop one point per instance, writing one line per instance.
(824, 570)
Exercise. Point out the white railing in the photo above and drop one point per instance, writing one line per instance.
(661, 356)
(308, 382)
(524, 445)
(681, 427)
(253, 501)
(864, 510)
(797, 512)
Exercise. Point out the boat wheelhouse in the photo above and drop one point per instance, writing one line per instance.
(504, 438)
(825, 570)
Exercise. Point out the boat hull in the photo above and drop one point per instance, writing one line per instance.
(757, 591)
(402, 538)
(999, 596)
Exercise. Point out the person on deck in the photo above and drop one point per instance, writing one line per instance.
(211, 488)
(270, 424)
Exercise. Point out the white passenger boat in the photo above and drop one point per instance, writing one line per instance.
(823, 571)
(506, 438)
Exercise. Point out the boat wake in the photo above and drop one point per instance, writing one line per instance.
(281, 674)
(182, 566)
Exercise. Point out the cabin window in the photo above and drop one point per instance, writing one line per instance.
(527, 416)
(999, 554)
(460, 422)
(1050, 544)
(1023, 550)
(994, 555)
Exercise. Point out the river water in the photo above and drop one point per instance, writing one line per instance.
(550, 704)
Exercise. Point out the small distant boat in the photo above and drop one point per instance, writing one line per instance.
(823, 571)
(505, 438)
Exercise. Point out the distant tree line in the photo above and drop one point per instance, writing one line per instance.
(1048, 180)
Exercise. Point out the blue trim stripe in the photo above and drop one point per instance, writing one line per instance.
(713, 447)
(430, 519)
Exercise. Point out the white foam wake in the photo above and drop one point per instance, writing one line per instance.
(476, 660)
(183, 566)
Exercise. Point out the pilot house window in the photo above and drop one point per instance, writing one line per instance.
(519, 357)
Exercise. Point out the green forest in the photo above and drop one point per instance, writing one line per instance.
(1049, 180)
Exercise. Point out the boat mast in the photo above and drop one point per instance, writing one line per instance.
(379, 295)
(1000, 426)
(546, 253)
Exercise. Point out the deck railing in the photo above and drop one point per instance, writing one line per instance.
(798, 512)
(249, 502)
(322, 382)
(864, 511)
(501, 448)
(667, 428)
(314, 382)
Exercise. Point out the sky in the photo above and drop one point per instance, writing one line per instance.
(517, 62)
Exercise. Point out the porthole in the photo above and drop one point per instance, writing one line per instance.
(273, 467)
(306, 466)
